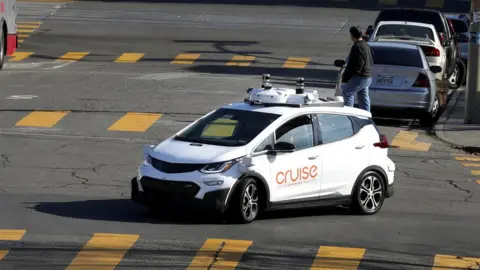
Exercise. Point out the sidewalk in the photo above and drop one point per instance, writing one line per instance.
(451, 128)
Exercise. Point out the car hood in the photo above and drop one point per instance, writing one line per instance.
(174, 151)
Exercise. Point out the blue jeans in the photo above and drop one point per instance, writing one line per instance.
(360, 86)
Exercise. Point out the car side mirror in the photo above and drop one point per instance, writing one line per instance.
(366, 37)
(369, 30)
(339, 63)
(283, 147)
(436, 69)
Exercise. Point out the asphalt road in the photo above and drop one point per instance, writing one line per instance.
(65, 176)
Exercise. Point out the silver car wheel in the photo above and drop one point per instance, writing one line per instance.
(250, 202)
(371, 193)
(454, 76)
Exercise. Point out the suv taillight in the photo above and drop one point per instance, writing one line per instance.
(383, 142)
(422, 81)
(431, 51)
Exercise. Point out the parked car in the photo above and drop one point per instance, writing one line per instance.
(421, 34)
(436, 18)
(403, 83)
(460, 26)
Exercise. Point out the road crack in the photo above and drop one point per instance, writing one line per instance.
(469, 193)
(4, 160)
(216, 255)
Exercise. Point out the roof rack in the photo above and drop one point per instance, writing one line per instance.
(270, 96)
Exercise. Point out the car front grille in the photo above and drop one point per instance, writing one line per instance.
(168, 167)
(167, 188)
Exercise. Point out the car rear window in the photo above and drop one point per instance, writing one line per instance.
(412, 16)
(397, 57)
(398, 30)
(459, 26)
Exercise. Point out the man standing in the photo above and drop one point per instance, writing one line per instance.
(358, 72)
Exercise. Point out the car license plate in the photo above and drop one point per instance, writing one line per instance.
(384, 81)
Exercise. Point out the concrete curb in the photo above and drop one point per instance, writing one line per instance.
(439, 126)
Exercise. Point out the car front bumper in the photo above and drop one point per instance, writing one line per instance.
(173, 194)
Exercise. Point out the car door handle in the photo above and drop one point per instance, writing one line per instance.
(359, 146)
(314, 157)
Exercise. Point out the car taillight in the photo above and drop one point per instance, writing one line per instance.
(431, 51)
(383, 142)
(422, 81)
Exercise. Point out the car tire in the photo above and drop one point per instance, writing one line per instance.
(462, 81)
(245, 204)
(362, 199)
(2, 49)
(429, 118)
(456, 79)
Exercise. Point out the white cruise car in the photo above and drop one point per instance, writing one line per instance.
(423, 35)
(279, 148)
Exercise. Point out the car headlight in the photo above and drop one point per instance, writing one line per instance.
(147, 160)
(218, 167)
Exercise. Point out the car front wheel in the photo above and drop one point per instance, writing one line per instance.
(369, 194)
(246, 202)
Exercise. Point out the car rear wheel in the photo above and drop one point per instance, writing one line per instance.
(429, 118)
(245, 205)
(369, 194)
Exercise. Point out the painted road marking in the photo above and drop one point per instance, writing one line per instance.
(387, 2)
(435, 3)
(25, 30)
(478, 181)
(475, 172)
(241, 60)
(103, 251)
(337, 258)
(455, 262)
(22, 97)
(185, 59)
(406, 140)
(136, 122)
(27, 26)
(220, 254)
(470, 164)
(19, 56)
(129, 57)
(41, 119)
(72, 56)
(466, 158)
(9, 235)
(296, 62)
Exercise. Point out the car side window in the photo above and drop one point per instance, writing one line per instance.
(334, 127)
(298, 131)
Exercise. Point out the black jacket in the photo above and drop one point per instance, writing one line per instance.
(360, 61)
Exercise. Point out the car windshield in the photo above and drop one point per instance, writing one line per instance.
(228, 127)
(397, 57)
(398, 30)
(412, 15)
(459, 26)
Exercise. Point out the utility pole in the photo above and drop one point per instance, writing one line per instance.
(472, 98)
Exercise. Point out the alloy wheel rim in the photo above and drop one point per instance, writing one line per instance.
(371, 193)
(453, 77)
(250, 202)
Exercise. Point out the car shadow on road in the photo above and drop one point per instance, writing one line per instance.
(124, 210)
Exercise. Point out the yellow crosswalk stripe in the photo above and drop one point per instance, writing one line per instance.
(185, 59)
(476, 172)
(28, 22)
(23, 36)
(465, 158)
(407, 140)
(219, 254)
(241, 60)
(434, 3)
(329, 257)
(387, 2)
(470, 164)
(72, 56)
(135, 122)
(25, 30)
(129, 57)
(296, 62)
(19, 26)
(478, 181)
(19, 56)
(455, 262)
(9, 235)
(41, 119)
(103, 251)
